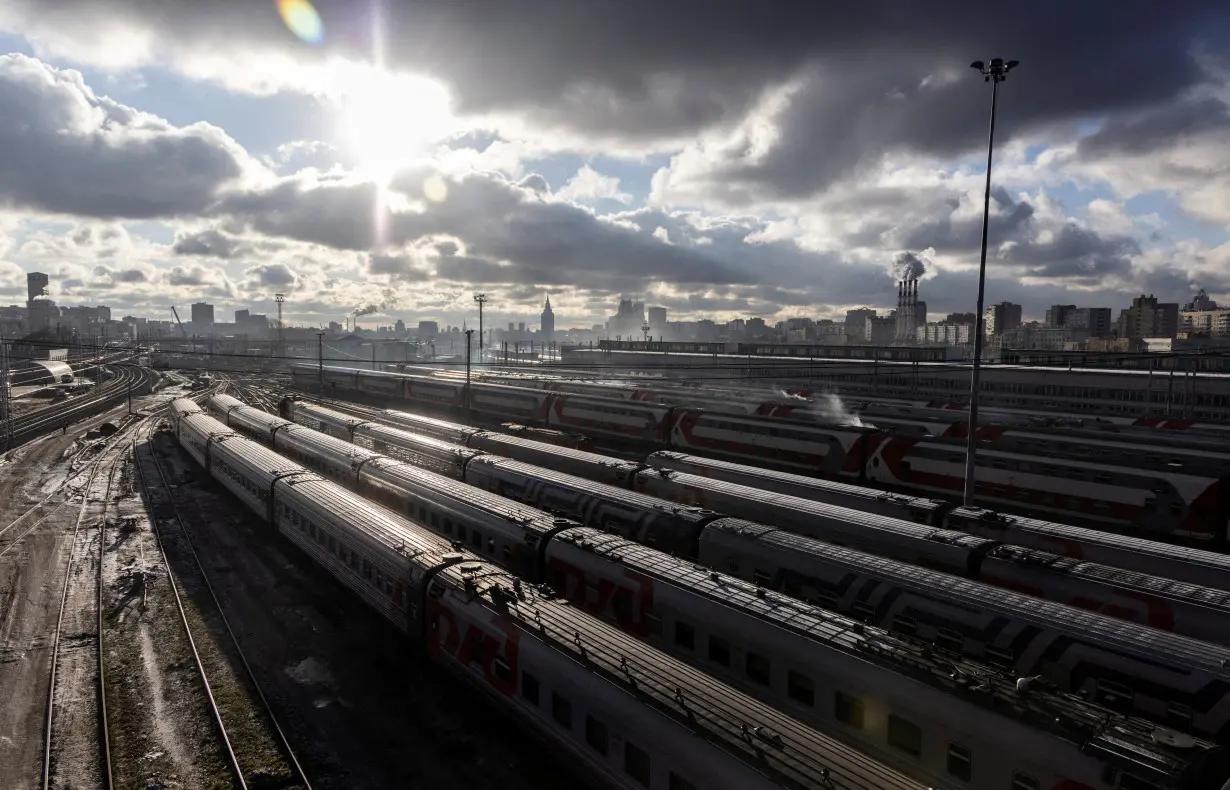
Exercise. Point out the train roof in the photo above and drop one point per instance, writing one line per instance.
(830, 486)
(392, 531)
(1081, 535)
(404, 438)
(225, 402)
(745, 361)
(578, 456)
(410, 477)
(330, 415)
(1068, 716)
(422, 419)
(767, 740)
(590, 488)
(1123, 636)
(855, 519)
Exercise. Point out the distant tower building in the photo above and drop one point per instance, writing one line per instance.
(547, 322)
(1000, 318)
(40, 310)
(242, 317)
(36, 285)
(202, 314)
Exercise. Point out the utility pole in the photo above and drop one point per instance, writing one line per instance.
(5, 405)
(482, 300)
(320, 363)
(469, 332)
(995, 72)
(280, 351)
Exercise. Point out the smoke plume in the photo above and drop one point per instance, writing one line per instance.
(908, 266)
(366, 310)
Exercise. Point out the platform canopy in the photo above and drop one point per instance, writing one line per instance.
(56, 369)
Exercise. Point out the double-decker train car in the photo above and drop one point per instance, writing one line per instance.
(1191, 504)
(1197, 566)
(630, 715)
(990, 731)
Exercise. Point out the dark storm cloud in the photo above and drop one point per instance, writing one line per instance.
(68, 151)
(644, 68)
(511, 235)
(209, 242)
(1076, 253)
(1010, 218)
(1156, 128)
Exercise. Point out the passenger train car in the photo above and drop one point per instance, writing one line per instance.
(1178, 395)
(1094, 490)
(751, 493)
(631, 715)
(945, 720)
(1131, 660)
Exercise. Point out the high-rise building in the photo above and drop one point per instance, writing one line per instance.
(1058, 314)
(856, 322)
(241, 318)
(1095, 320)
(428, 329)
(399, 326)
(1149, 318)
(36, 285)
(656, 317)
(1200, 303)
(1001, 317)
(202, 314)
(547, 322)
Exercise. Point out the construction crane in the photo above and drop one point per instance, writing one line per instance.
(175, 313)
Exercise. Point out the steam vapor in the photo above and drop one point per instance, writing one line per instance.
(908, 266)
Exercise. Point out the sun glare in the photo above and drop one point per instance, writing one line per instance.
(391, 120)
(300, 18)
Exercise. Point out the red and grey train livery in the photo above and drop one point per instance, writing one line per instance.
(1166, 501)
(629, 714)
(963, 724)
(1118, 655)
(886, 525)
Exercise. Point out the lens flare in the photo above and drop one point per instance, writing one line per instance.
(300, 18)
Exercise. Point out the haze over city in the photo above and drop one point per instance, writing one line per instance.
(748, 163)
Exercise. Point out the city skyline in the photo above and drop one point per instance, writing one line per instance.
(757, 196)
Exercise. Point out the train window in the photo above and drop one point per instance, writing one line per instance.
(501, 670)
(1023, 781)
(653, 623)
(529, 687)
(801, 688)
(1176, 508)
(476, 540)
(1102, 477)
(685, 635)
(596, 734)
(367, 569)
(848, 710)
(864, 611)
(636, 763)
(1129, 782)
(1001, 656)
(1110, 692)
(719, 651)
(826, 598)
(422, 514)
(905, 624)
(1178, 714)
(761, 578)
(960, 762)
(947, 639)
(904, 735)
(447, 524)
(561, 710)
(461, 532)
(677, 782)
(1101, 507)
(758, 668)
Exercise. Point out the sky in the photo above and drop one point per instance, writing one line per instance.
(723, 160)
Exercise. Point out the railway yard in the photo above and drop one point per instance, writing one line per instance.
(333, 577)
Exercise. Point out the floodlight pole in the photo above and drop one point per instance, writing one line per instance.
(995, 72)
(469, 332)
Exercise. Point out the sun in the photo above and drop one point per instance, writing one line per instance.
(391, 120)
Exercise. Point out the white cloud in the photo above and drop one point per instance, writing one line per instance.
(588, 186)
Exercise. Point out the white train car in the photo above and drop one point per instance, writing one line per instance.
(641, 422)
(1181, 682)
(630, 715)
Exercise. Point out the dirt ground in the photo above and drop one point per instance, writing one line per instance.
(31, 582)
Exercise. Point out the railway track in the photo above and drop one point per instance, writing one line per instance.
(257, 751)
(76, 749)
(130, 382)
